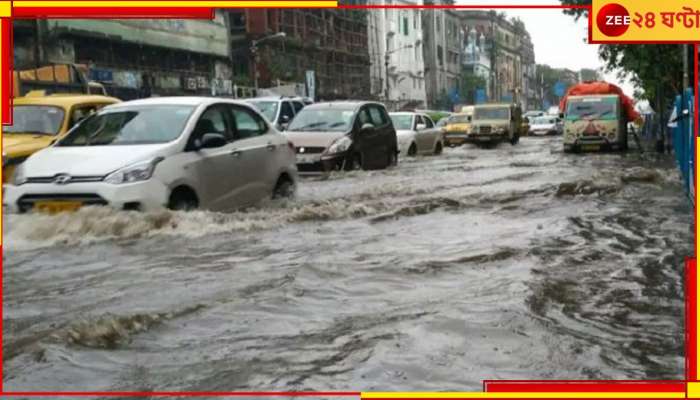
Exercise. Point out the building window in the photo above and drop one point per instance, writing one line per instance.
(405, 26)
(437, 24)
(440, 58)
(415, 20)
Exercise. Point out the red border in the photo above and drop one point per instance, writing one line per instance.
(488, 385)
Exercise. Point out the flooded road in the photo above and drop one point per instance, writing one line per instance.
(511, 263)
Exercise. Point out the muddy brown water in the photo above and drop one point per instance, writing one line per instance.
(510, 263)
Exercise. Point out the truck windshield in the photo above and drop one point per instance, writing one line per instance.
(36, 120)
(130, 126)
(491, 113)
(459, 119)
(601, 109)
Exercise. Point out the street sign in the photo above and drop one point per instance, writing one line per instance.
(480, 96)
(311, 84)
(559, 89)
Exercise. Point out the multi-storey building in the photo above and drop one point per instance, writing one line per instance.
(135, 57)
(395, 42)
(329, 44)
(442, 54)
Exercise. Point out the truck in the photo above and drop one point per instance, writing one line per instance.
(495, 123)
(57, 78)
(596, 115)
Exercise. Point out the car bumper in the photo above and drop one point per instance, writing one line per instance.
(485, 138)
(455, 138)
(147, 195)
(592, 144)
(319, 163)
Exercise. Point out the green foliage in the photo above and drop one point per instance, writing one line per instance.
(576, 12)
(437, 116)
(469, 84)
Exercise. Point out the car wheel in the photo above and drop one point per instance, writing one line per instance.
(438, 148)
(412, 151)
(284, 188)
(183, 199)
(392, 159)
(353, 162)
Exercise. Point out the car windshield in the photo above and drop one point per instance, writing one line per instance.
(35, 120)
(459, 119)
(492, 113)
(402, 122)
(595, 108)
(543, 121)
(326, 119)
(267, 108)
(130, 126)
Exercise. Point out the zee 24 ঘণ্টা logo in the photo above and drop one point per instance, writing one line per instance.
(629, 20)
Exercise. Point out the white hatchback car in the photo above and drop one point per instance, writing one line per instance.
(176, 152)
(416, 134)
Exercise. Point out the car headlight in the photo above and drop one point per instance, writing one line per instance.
(19, 177)
(134, 173)
(340, 146)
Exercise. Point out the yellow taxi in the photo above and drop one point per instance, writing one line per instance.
(39, 120)
(458, 127)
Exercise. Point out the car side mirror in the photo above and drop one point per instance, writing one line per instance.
(210, 141)
(420, 127)
(367, 128)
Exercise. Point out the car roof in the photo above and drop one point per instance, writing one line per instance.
(64, 100)
(178, 100)
(347, 105)
(406, 113)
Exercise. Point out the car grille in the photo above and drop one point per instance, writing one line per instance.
(485, 129)
(310, 150)
(73, 179)
(27, 201)
(315, 167)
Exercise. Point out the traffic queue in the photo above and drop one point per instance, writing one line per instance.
(69, 150)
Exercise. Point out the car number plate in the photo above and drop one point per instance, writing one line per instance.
(304, 159)
(590, 147)
(53, 207)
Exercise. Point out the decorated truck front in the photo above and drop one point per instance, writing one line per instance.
(593, 123)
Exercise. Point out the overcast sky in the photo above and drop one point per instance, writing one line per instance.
(558, 39)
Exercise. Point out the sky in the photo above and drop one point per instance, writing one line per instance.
(558, 38)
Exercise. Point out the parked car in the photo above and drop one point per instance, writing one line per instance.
(280, 111)
(416, 134)
(533, 114)
(343, 135)
(176, 152)
(545, 125)
(495, 123)
(39, 120)
(457, 128)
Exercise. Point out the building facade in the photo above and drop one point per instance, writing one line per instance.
(328, 44)
(443, 56)
(395, 43)
(136, 57)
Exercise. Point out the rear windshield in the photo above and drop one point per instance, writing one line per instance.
(459, 119)
(35, 120)
(543, 120)
(402, 122)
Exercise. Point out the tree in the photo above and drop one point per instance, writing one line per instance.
(576, 12)
(469, 85)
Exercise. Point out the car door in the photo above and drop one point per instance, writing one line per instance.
(257, 149)
(422, 135)
(367, 141)
(431, 133)
(214, 169)
(386, 135)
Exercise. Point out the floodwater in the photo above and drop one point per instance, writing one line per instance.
(508, 263)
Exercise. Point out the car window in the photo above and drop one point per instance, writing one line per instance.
(428, 122)
(247, 123)
(79, 113)
(213, 120)
(417, 121)
(378, 117)
(364, 118)
(298, 105)
(286, 110)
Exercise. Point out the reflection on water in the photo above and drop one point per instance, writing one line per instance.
(511, 263)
